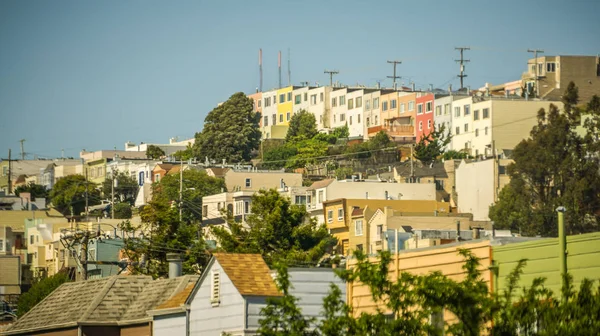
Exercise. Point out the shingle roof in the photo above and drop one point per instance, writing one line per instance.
(178, 299)
(249, 273)
(321, 184)
(356, 211)
(117, 299)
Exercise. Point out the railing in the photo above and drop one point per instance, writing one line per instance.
(397, 130)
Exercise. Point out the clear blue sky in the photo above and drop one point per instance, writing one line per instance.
(94, 74)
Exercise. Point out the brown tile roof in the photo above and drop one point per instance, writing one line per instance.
(117, 299)
(249, 273)
(178, 299)
(321, 184)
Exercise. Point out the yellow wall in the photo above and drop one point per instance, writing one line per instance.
(286, 106)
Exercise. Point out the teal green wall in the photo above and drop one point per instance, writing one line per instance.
(583, 260)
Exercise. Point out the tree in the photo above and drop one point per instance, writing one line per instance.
(277, 157)
(36, 190)
(432, 145)
(184, 155)
(342, 132)
(154, 152)
(278, 230)
(126, 188)
(553, 167)
(231, 131)
(303, 126)
(454, 155)
(196, 184)
(306, 153)
(69, 194)
(39, 291)
(123, 211)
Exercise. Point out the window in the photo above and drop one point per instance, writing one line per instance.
(246, 207)
(376, 120)
(358, 117)
(457, 111)
(215, 288)
(305, 96)
(274, 100)
(350, 119)
(321, 119)
(368, 122)
(466, 128)
(340, 214)
(358, 227)
(368, 105)
(265, 121)
(540, 68)
(342, 100)
(379, 231)
(420, 125)
(411, 105)
(457, 130)
(333, 102)
(446, 109)
(274, 119)
(476, 115)
(358, 102)
(267, 102)
(467, 110)
(4, 171)
(402, 108)
(156, 177)
(289, 96)
(31, 241)
(334, 117)
(300, 199)
(321, 97)
(282, 98)
(477, 132)
(486, 113)
(375, 103)
(393, 103)
(329, 216)
(419, 108)
(248, 183)
(281, 118)
(287, 116)
(259, 103)
(313, 99)
(550, 67)
(429, 124)
(438, 110)
(486, 130)
(298, 99)
(428, 107)
(384, 106)
(320, 197)
(350, 104)
(1, 245)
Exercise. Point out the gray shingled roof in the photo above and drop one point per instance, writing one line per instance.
(117, 299)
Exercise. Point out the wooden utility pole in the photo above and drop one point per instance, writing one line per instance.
(394, 77)
(112, 195)
(462, 62)
(181, 190)
(535, 56)
(331, 73)
(9, 173)
(22, 141)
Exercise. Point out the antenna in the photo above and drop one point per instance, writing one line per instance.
(462, 62)
(279, 66)
(260, 85)
(22, 141)
(289, 67)
(331, 73)
(394, 77)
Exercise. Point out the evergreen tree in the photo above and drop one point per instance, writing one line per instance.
(154, 152)
(432, 145)
(303, 126)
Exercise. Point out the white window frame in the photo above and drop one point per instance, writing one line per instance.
(358, 227)
(248, 182)
(340, 213)
(420, 108)
(329, 216)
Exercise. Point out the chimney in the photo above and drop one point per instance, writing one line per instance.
(458, 231)
(175, 266)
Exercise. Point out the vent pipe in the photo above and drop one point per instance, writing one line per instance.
(457, 230)
(175, 265)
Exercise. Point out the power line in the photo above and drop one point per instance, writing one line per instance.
(462, 62)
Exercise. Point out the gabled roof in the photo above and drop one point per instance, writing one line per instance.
(356, 211)
(218, 172)
(116, 300)
(164, 166)
(249, 273)
(321, 184)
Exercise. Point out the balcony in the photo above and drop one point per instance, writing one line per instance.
(393, 130)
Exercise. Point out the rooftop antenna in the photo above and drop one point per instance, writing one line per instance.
(22, 141)
(279, 67)
(462, 62)
(394, 77)
(289, 68)
(331, 73)
(260, 85)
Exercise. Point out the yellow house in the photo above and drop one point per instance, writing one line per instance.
(285, 105)
(338, 213)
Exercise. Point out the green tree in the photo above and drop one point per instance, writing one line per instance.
(277, 157)
(342, 132)
(184, 155)
(307, 152)
(552, 168)
(126, 188)
(196, 184)
(154, 152)
(36, 190)
(69, 194)
(231, 131)
(343, 172)
(39, 291)
(303, 126)
(278, 230)
(454, 155)
(432, 145)
(123, 211)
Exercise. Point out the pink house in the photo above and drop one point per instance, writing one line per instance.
(424, 116)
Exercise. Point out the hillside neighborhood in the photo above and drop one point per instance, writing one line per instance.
(298, 194)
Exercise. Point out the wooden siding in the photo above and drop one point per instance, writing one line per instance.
(169, 325)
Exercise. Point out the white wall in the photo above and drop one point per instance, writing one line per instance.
(269, 111)
(355, 116)
(339, 111)
(206, 320)
(443, 119)
(169, 325)
(475, 188)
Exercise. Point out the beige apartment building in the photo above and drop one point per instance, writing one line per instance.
(254, 180)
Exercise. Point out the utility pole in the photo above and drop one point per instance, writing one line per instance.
(9, 173)
(112, 195)
(260, 85)
(22, 141)
(535, 56)
(279, 67)
(289, 68)
(562, 243)
(462, 62)
(84, 254)
(331, 73)
(180, 190)
(394, 77)
(86, 191)
(412, 165)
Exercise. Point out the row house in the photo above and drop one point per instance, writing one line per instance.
(424, 115)
(315, 100)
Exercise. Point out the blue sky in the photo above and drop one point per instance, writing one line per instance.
(95, 74)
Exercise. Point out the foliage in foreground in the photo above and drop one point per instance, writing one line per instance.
(536, 311)
(39, 291)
